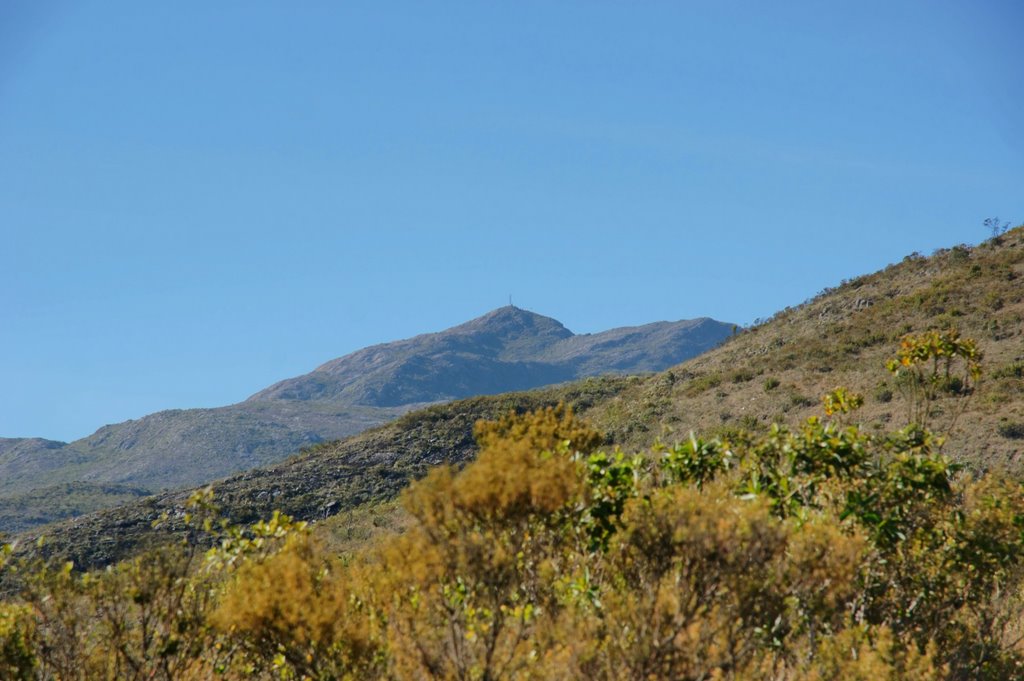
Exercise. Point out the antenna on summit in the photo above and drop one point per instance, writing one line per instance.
(510, 300)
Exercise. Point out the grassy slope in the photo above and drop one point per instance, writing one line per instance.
(841, 337)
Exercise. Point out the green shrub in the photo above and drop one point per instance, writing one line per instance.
(703, 383)
(742, 376)
(1013, 370)
(799, 401)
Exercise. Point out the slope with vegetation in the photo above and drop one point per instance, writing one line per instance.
(772, 373)
(776, 371)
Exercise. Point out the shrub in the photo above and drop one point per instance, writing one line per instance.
(883, 393)
(703, 383)
(1012, 431)
(798, 400)
(1013, 370)
(18, 642)
(742, 376)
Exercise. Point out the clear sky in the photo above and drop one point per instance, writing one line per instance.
(200, 198)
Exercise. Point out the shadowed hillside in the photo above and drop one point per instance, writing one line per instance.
(57, 502)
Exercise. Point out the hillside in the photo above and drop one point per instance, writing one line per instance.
(321, 482)
(776, 371)
(504, 350)
(181, 446)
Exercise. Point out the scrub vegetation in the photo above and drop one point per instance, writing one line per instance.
(820, 551)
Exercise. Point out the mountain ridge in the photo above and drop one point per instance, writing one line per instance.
(493, 347)
(503, 350)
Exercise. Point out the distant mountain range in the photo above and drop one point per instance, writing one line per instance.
(507, 349)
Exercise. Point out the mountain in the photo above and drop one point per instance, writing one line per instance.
(507, 349)
(773, 372)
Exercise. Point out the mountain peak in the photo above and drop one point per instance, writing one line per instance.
(511, 322)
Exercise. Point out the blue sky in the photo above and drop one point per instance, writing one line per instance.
(200, 198)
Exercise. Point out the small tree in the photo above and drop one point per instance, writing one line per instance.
(996, 227)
